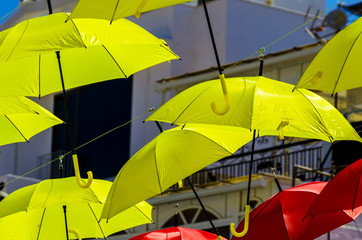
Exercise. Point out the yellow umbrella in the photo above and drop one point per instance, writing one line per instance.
(90, 51)
(266, 106)
(55, 54)
(21, 118)
(116, 9)
(169, 158)
(336, 66)
(59, 209)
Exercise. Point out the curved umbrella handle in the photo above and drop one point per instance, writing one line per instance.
(76, 234)
(139, 8)
(77, 173)
(226, 97)
(246, 224)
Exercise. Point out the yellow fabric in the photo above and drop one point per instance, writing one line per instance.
(21, 118)
(39, 209)
(170, 157)
(337, 65)
(115, 9)
(262, 104)
(91, 50)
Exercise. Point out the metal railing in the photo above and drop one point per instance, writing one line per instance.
(283, 163)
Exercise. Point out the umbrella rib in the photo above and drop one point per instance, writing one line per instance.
(114, 12)
(42, 217)
(115, 61)
(79, 35)
(158, 176)
(144, 214)
(212, 141)
(17, 43)
(39, 76)
(17, 129)
(95, 217)
(344, 63)
(355, 194)
(320, 117)
(190, 104)
(285, 227)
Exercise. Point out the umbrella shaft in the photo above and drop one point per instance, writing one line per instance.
(69, 125)
(212, 37)
(251, 167)
(203, 207)
(65, 218)
(50, 7)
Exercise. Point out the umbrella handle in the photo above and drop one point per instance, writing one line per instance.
(76, 234)
(77, 173)
(139, 8)
(246, 224)
(226, 97)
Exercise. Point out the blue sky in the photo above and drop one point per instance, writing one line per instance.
(7, 6)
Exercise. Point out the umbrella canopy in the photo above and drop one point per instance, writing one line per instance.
(167, 159)
(45, 210)
(176, 233)
(89, 51)
(336, 66)
(21, 118)
(258, 103)
(341, 192)
(281, 216)
(112, 10)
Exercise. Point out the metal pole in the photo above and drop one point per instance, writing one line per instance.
(69, 125)
(251, 168)
(203, 207)
(65, 218)
(50, 9)
(212, 37)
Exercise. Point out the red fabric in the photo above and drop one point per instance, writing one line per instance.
(281, 216)
(176, 233)
(341, 193)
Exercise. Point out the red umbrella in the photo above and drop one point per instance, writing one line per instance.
(342, 192)
(177, 233)
(281, 216)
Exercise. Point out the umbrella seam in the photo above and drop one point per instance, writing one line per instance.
(345, 60)
(169, 50)
(158, 176)
(52, 184)
(143, 213)
(77, 30)
(114, 12)
(190, 104)
(39, 89)
(354, 199)
(96, 220)
(320, 117)
(16, 128)
(285, 227)
(210, 140)
(115, 61)
(253, 102)
(17, 43)
(40, 225)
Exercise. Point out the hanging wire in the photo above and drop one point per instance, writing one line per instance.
(3, 17)
(61, 157)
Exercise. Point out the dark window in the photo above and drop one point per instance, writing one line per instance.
(94, 110)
